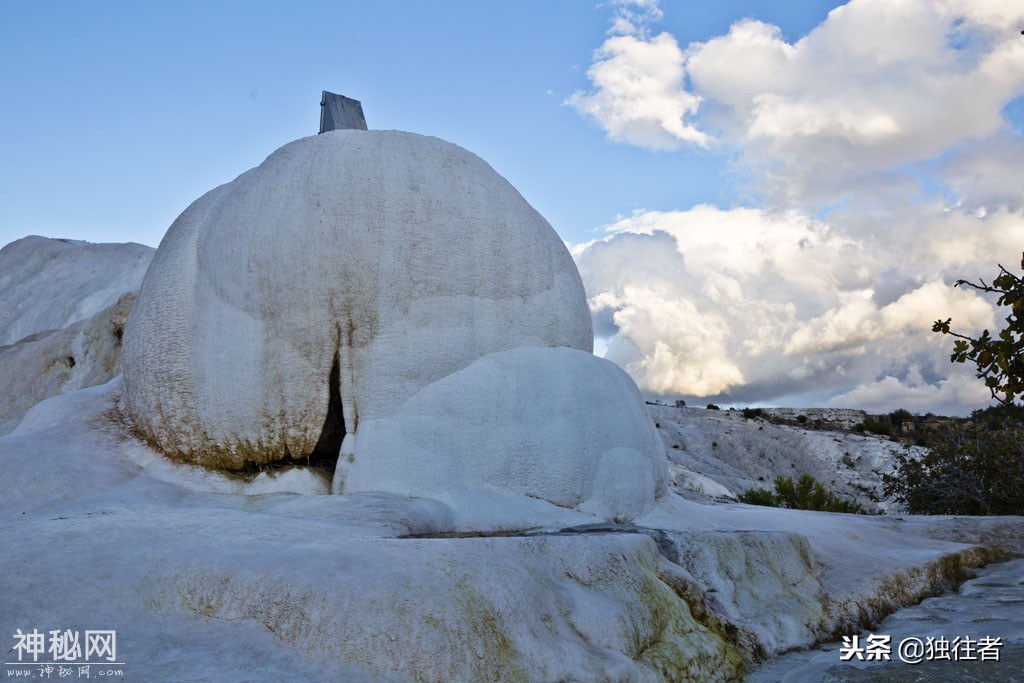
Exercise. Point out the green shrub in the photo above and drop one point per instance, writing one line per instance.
(712, 406)
(807, 493)
(751, 413)
(758, 497)
(880, 428)
(972, 468)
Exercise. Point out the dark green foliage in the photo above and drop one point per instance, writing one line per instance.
(807, 493)
(751, 413)
(802, 419)
(758, 497)
(999, 359)
(900, 416)
(712, 406)
(975, 467)
(999, 417)
(880, 428)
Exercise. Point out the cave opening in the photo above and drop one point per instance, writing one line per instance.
(325, 454)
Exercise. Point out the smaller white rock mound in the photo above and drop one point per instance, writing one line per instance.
(556, 424)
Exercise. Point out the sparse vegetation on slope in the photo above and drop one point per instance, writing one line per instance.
(807, 493)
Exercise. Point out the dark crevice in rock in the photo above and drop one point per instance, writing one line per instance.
(666, 547)
(325, 453)
(663, 540)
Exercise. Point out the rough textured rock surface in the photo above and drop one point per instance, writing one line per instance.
(320, 587)
(48, 284)
(317, 588)
(315, 294)
(766, 584)
(42, 365)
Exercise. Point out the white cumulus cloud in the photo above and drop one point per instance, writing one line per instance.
(639, 95)
(877, 85)
(885, 171)
(753, 306)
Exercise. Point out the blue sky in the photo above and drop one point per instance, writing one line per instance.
(768, 202)
(117, 115)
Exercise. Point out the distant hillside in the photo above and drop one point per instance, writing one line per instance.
(48, 284)
(718, 454)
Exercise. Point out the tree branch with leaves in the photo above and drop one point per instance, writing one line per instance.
(999, 359)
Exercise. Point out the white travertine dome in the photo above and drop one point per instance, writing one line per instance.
(320, 290)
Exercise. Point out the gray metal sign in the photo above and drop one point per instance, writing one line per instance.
(338, 112)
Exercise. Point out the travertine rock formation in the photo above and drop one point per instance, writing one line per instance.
(323, 289)
(48, 284)
(84, 354)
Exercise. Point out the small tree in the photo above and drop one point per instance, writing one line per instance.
(999, 359)
(971, 468)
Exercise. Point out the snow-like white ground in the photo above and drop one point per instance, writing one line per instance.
(718, 454)
(205, 581)
(207, 577)
(48, 284)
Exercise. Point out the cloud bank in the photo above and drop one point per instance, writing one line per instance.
(885, 170)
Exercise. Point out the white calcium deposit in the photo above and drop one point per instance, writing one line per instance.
(719, 454)
(325, 292)
(63, 305)
(84, 354)
(206, 576)
(394, 290)
(48, 284)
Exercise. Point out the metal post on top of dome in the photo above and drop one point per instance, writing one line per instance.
(338, 112)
